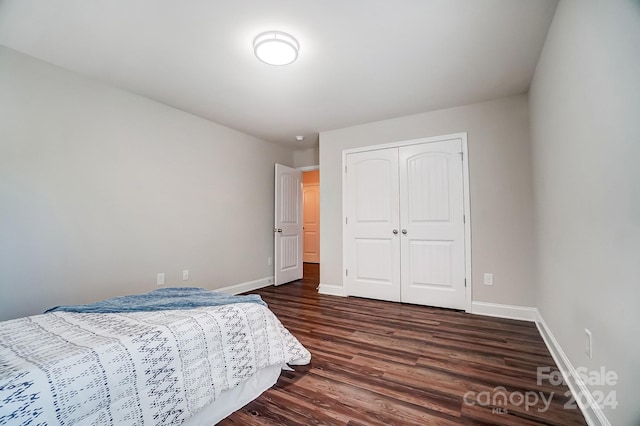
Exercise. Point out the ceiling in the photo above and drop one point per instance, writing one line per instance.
(359, 61)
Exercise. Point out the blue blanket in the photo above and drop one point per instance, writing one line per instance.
(161, 299)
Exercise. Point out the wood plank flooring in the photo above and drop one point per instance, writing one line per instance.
(383, 363)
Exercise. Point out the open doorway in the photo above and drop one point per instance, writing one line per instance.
(311, 222)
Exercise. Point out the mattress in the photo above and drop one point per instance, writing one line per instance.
(143, 368)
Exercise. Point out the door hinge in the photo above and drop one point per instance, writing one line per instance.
(464, 218)
(346, 272)
(346, 220)
(461, 156)
(345, 169)
(465, 283)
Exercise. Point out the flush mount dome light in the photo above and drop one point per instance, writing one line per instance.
(276, 48)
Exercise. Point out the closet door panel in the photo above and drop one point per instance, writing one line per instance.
(432, 227)
(373, 249)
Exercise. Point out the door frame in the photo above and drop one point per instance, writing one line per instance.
(466, 201)
(301, 169)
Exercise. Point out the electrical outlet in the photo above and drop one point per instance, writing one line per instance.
(269, 261)
(160, 279)
(488, 279)
(185, 274)
(588, 342)
(270, 280)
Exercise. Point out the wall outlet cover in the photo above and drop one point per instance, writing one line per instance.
(488, 279)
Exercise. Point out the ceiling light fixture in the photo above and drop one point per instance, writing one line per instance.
(276, 48)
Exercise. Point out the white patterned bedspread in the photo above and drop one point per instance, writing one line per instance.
(141, 368)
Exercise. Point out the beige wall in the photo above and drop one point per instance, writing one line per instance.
(101, 189)
(306, 157)
(501, 191)
(585, 121)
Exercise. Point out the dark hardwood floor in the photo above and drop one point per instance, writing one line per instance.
(383, 363)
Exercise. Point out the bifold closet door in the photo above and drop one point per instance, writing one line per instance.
(405, 224)
(432, 227)
(373, 239)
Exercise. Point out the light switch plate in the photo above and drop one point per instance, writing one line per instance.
(588, 343)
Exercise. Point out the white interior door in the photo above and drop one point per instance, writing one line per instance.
(288, 225)
(373, 241)
(432, 227)
(311, 223)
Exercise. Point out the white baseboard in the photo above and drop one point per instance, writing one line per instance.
(592, 412)
(523, 313)
(247, 286)
(331, 290)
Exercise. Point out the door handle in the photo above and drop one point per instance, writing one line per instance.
(277, 230)
(404, 231)
(395, 232)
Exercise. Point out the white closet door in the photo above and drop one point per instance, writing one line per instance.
(432, 227)
(372, 248)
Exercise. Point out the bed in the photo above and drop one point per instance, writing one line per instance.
(142, 363)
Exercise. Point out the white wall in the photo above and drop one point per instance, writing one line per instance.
(501, 191)
(585, 122)
(100, 189)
